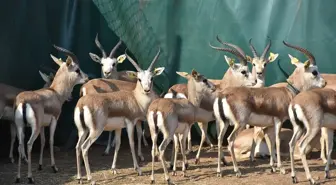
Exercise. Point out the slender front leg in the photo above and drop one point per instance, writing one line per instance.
(144, 135)
(254, 140)
(130, 129)
(189, 149)
(117, 136)
(323, 140)
(13, 136)
(203, 127)
(139, 135)
(176, 146)
(278, 125)
(183, 139)
(270, 146)
(51, 144)
(42, 136)
(107, 150)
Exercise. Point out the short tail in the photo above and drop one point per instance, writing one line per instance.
(221, 110)
(24, 114)
(297, 120)
(81, 118)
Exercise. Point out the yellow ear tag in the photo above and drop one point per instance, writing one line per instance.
(248, 58)
(231, 62)
(121, 58)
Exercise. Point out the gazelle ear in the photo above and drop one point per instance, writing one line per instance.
(230, 61)
(95, 57)
(249, 59)
(307, 64)
(132, 74)
(294, 60)
(56, 60)
(183, 74)
(272, 57)
(44, 77)
(68, 61)
(158, 71)
(121, 58)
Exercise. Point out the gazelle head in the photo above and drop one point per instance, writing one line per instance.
(145, 77)
(306, 75)
(198, 82)
(108, 63)
(259, 62)
(240, 72)
(69, 71)
(47, 78)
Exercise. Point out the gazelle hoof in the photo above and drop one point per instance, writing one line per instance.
(238, 174)
(141, 158)
(40, 167)
(93, 182)
(152, 181)
(186, 165)
(327, 175)
(174, 173)
(30, 180)
(169, 182)
(139, 173)
(11, 160)
(17, 180)
(79, 181)
(171, 166)
(312, 182)
(55, 169)
(105, 154)
(219, 174)
(114, 171)
(224, 162)
(282, 171)
(197, 161)
(294, 179)
(273, 170)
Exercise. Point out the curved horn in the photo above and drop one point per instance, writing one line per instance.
(234, 52)
(282, 70)
(133, 62)
(115, 49)
(67, 52)
(241, 52)
(267, 48)
(154, 60)
(48, 68)
(309, 55)
(254, 51)
(100, 46)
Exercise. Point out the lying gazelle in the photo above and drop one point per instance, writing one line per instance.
(241, 105)
(309, 111)
(173, 118)
(109, 66)
(41, 108)
(95, 113)
(7, 98)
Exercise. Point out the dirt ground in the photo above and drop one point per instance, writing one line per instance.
(204, 173)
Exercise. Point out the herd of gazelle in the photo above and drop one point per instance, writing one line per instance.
(124, 99)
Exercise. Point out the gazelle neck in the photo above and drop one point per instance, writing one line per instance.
(194, 96)
(142, 98)
(62, 85)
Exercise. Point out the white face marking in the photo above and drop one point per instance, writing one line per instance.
(108, 65)
(146, 79)
(243, 74)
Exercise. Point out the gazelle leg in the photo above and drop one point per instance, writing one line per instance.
(231, 140)
(13, 137)
(311, 133)
(81, 137)
(162, 149)
(222, 130)
(143, 134)
(278, 125)
(270, 146)
(174, 156)
(183, 138)
(138, 127)
(108, 146)
(51, 143)
(189, 149)
(254, 140)
(203, 127)
(20, 130)
(117, 136)
(130, 129)
(225, 163)
(42, 136)
(329, 147)
(297, 133)
(34, 135)
(152, 129)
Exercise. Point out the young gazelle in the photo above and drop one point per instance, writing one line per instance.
(95, 113)
(310, 112)
(7, 98)
(174, 116)
(241, 105)
(41, 108)
(109, 65)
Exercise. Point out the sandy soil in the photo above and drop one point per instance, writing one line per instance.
(204, 173)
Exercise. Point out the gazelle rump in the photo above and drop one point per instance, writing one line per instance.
(41, 108)
(174, 117)
(238, 105)
(309, 112)
(109, 65)
(95, 113)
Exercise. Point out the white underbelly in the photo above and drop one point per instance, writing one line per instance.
(115, 123)
(329, 121)
(8, 114)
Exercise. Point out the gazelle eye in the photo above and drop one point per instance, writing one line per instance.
(265, 64)
(139, 79)
(315, 73)
(78, 71)
(253, 64)
(243, 72)
(205, 80)
(113, 64)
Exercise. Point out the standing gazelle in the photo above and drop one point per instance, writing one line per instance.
(173, 117)
(41, 108)
(95, 113)
(241, 105)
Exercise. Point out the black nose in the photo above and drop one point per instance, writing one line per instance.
(107, 73)
(147, 91)
(256, 81)
(259, 73)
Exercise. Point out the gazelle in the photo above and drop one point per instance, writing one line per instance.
(241, 105)
(8, 94)
(109, 66)
(95, 113)
(310, 111)
(173, 118)
(41, 108)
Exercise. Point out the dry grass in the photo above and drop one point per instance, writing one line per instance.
(204, 173)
